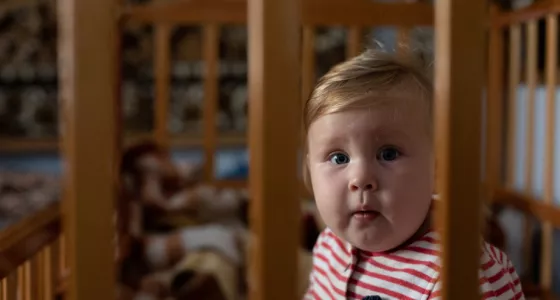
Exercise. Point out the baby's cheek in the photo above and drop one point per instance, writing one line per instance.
(324, 180)
(330, 200)
(407, 203)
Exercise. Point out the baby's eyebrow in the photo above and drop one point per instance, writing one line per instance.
(330, 139)
(388, 132)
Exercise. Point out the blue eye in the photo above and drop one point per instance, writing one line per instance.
(339, 159)
(388, 154)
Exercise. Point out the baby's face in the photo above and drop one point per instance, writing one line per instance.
(372, 172)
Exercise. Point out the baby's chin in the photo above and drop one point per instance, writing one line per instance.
(369, 239)
(372, 242)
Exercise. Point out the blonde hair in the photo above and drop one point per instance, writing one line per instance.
(353, 84)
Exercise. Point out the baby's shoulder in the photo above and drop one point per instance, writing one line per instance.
(495, 264)
(493, 255)
(498, 276)
(327, 240)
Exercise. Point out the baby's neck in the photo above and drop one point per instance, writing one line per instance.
(422, 230)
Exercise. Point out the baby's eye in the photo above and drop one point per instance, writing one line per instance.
(339, 159)
(388, 154)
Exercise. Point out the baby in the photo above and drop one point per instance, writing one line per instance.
(370, 164)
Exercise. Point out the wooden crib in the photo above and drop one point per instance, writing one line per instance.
(91, 140)
(510, 177)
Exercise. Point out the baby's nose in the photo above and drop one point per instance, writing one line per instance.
(357, 185)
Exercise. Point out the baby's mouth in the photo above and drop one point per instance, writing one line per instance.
(365, 215)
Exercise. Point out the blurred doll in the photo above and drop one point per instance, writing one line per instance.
(163, 189)
(183, 230)
(167, 215)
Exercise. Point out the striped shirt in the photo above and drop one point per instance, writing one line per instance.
(343, 272)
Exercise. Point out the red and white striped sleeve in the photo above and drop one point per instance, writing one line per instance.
(498, 278)
(311, 293)
(516, 281)
(436, 291)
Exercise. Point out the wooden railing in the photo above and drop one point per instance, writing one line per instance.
(355, 16)
(505, 77)
(31, 258)
(537, 10)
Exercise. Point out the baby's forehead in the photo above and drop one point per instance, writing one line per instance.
(380, 121)
(396, 103)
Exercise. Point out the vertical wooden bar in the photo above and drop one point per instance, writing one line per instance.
(308, 62)
(210, 110)
(58, 262)
(34, 283)
(354, 41)
(162, 77)
(12, 287)
(39, 276)
(120, 212)
(460, 28)
(531, 80)
(87, 64)
(551, 80)
(27, 280)
(307, 77)
(274, 90)
(60, 258)
(47, 270)
(21, 283)
(3, 289)
(513, 84)
(494, 107)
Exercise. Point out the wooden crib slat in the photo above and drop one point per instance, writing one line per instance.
(514, 79)
(308, 62)
(12, 287)
(551, 77)
(354, 41)
(210, 109)
(36, 277)
(21, 283)
(460, 28)
(274, 90)
(39, 276)
(162, 78)
(307, 81)
(47, 271)
(87, 64)
(4, 288)
(28, 279)
(531, 79)
(494, 107)
(58, 261)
